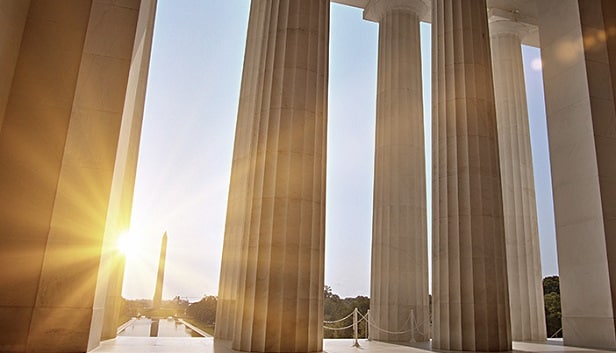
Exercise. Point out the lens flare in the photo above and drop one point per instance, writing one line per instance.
(126, 244)
(536, 64)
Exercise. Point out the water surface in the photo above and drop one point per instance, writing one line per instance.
(143, 327)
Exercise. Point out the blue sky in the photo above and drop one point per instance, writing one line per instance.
(187, 140)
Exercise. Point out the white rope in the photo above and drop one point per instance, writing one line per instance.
(337, 328)
(363, 317)
(372, 324)
(387, 331)
(394, 332)
(417, 326)
(344, 318)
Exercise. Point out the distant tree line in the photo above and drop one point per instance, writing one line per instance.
(335, 308)
(551, 298)
(136, 307)
(203, 312)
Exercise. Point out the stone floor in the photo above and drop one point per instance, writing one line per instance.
(207, 345)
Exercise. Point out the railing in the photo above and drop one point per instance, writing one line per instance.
(556, 333)
(357, 316)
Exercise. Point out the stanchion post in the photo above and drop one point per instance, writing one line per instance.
(368, 325)
(356, 343)
(412, 326)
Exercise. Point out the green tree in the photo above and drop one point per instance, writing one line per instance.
(553, 316)
(335, 308)
(551, 284)
(204, 311)
(132, 308)
(551, 298)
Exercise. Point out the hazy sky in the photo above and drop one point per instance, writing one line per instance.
(187, 140)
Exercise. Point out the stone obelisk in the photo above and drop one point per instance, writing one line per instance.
(158, 292)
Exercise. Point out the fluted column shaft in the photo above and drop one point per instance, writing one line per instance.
(578, 51)
(399, 276)
(58, 145)
(125, 169)
(13, 16)
(519, 206)
(471, 305)
(276, 212)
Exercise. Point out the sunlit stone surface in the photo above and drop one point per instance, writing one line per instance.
(57, 153)
(208, 345)
(109, 283)
(579, 70)
(72, 76)
(68, 315)
(522, 236)
(273, 257)
(399, 275)
(160, 276)
(471, 304)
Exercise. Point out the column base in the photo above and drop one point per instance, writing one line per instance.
(590, 332)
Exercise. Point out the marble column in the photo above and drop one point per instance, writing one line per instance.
(399, 274)
(125, 170)
(516, 163)
(57, 151)
(273, 256)
(578, 50)
(29, 164)
(13, 15)
(471, 303)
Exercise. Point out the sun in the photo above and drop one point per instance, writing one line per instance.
(536, 64)
(126, 244)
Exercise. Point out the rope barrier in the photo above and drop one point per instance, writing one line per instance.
(394, 332)
(390, 332)
(337, 328)
(354, 325)
(359, 317)
(344, 318)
